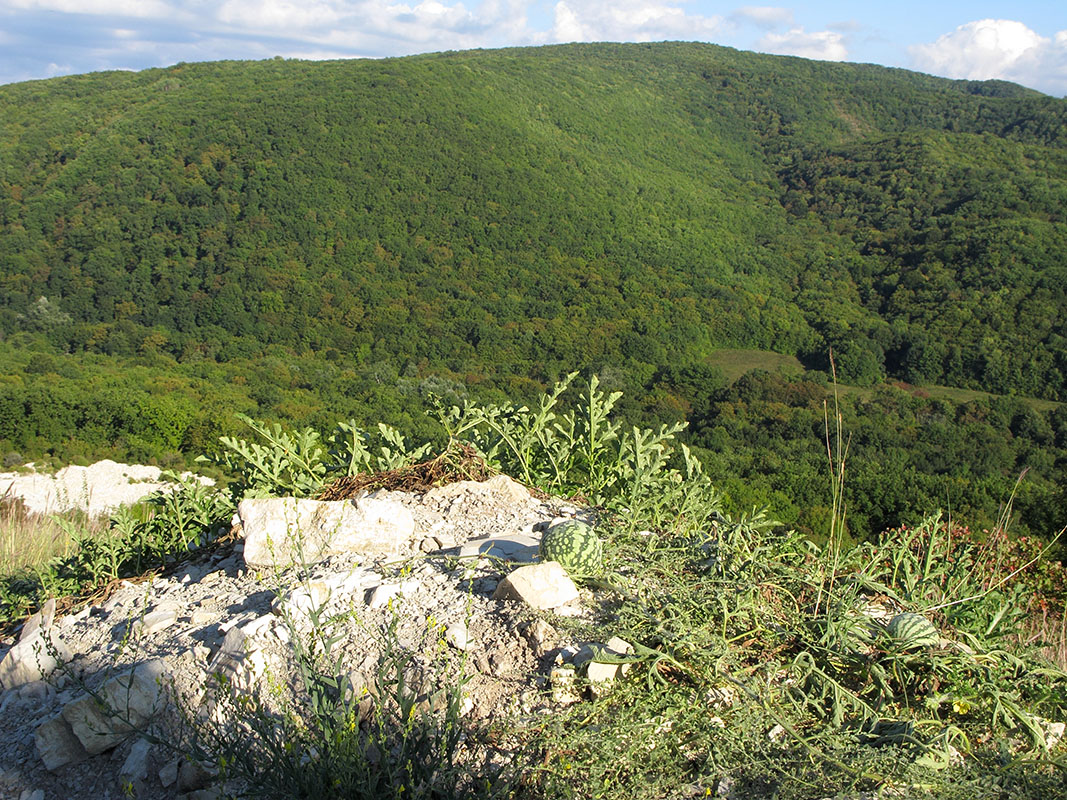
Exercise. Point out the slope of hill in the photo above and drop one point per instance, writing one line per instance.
(532, 210)
(309, 241)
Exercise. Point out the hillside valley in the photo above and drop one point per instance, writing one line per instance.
(314, 241)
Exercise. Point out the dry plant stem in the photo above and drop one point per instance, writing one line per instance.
(28, 540)
(458, 462)
(836, 455)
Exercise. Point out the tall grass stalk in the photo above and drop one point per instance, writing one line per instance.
(836, 456)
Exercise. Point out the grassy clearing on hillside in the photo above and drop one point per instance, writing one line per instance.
(735, 363)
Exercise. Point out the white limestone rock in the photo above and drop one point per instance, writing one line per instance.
(57, 745)
(379, 596)
(282, 531)
(33, 658)
(602, 675)
(135, 768)
(123, 705)
(542, 586)
(154, 621)
(456, 635)
(500, 489)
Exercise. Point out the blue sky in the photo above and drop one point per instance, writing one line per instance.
(1024, 41)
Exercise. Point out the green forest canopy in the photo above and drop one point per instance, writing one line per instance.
(489, 220)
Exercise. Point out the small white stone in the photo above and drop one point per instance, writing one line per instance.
(381, 595)
(201, 617)
(721, 697)
(154, 621)
(456, 635)
(168, 775)
(540, 633)
(135, 767)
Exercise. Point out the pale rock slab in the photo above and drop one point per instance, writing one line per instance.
(282, 531)
(380, 596)
(57, 745)
(168, 773)
(41, 621)
(601, 675)
(124, 704)
(33, 658)
(154, 621)
(519, 547)
(240, 661)
(539, 585)
(135, 767)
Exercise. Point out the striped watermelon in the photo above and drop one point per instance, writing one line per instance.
(575, 546)
(913, 630)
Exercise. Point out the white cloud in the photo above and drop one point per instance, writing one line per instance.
(374, 27)
(627, 20)
(820, 45)
(567, 28)
(118, 8)
(998, 48)
(764, 16)
(978, 50)
(279, 14)
(54, 70)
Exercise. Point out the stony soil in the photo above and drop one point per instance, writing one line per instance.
(191, 617)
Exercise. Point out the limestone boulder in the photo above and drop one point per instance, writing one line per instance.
(282, 531)
(124, 704)
(542, 586)
(38, 652)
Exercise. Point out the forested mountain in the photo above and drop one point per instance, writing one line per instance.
(496, 218)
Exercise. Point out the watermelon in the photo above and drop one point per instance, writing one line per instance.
(913, 630)
(575, 546)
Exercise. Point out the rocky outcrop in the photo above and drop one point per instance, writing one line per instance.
(97, 489)
(37, 654)
(451, 568)
(282, 531)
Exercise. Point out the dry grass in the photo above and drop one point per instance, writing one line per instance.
(459, 462)
(1049, 629)
(28, 540)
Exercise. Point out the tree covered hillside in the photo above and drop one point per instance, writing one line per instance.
(529, 211)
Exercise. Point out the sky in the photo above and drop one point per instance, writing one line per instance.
(1023, 41)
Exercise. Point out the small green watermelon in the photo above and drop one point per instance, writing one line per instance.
(575, 546)
(913, 630)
